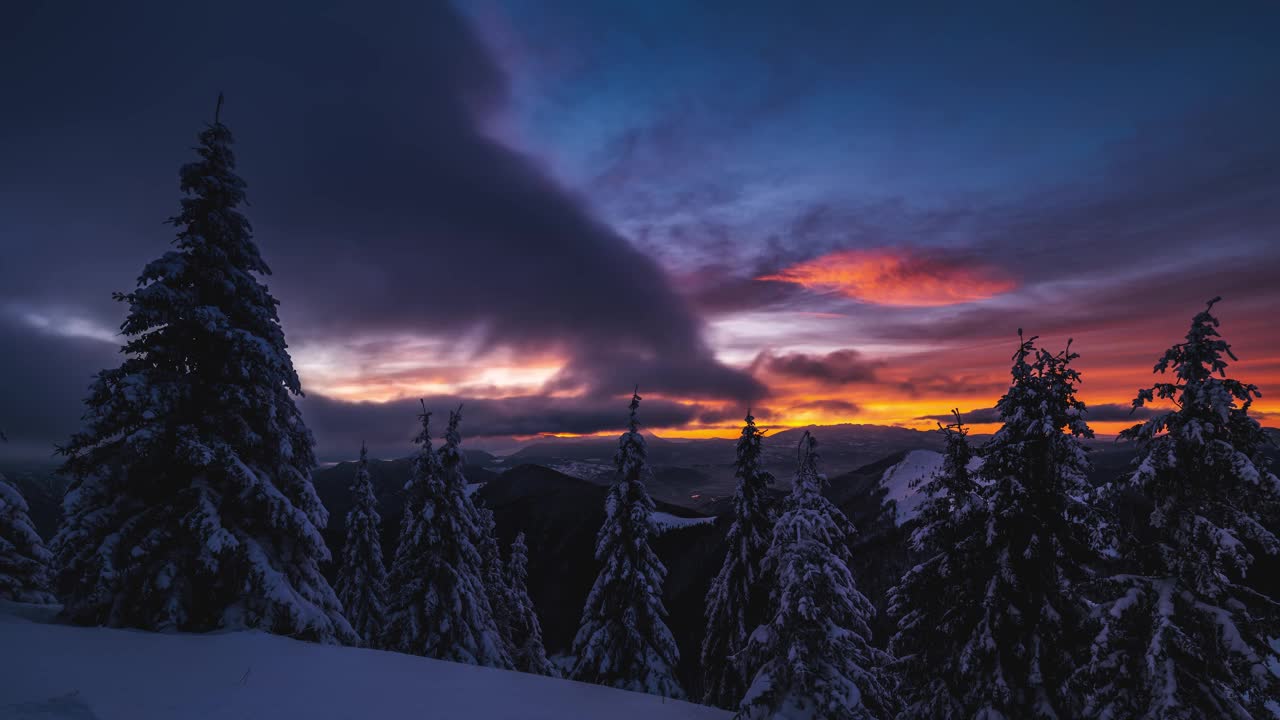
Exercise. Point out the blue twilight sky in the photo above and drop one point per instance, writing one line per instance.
(833, 211)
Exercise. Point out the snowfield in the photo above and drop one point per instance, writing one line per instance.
(666, 521)
(897, 480)
(59, 672)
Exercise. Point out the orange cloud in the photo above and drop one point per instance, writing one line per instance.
(897, 277)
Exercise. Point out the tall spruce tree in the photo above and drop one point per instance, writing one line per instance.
(738, 600)
(362, 579)
(623, 640)
(495, 576)
(813, 657)
(939, 601)
(1187, 633)
(24, 560)
(190, 505)
(1040, 532)
(527, 651)
(439, 606)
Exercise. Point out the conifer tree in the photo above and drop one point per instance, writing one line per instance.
(24, 560)
(527, 651)
(813, 656)
(623, 640)
(495, 576)
(938, 602)
(362, 579)
(190, 505)
(737, 599)
(439, 606)
(1040, 532)
(1187, 633)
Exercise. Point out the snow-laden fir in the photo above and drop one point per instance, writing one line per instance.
(57, 672)
(527, 651)
(362, 579)
(24, 560)
(623, 639)
(190, 505)
(439, 605)
(1187, 630)
(812, 659)
(737, 599)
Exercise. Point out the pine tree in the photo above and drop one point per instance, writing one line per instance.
(1039, 534)
(737, 600)
(939, 601)
(1188, 634)
(362, 579)
(495, 576)
(623, 640)
(813, 656)
(527, 651)
(190, 505)
(439, 606)
(24, 560)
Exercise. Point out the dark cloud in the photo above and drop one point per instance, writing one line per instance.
(839, 367)
(832, 406)
(1107, 412)
(380, 196)
(340, 427)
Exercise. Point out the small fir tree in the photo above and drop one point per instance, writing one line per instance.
(737, 600)
(190, 505)
(439, 607)
(623, 640)
(1188, 633)
(938, 602)
(495, 576)
(362, 579)
(24, 560)
(527, 651)
(813, 656)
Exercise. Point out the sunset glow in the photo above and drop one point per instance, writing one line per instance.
(895, 277)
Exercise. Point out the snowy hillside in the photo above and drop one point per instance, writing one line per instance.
(898, 479)
(58, 672)
(666, 521)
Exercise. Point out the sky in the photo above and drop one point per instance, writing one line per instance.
(826, 212)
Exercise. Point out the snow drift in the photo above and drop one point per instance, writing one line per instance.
(59, 672)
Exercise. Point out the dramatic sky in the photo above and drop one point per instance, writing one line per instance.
(832, 212)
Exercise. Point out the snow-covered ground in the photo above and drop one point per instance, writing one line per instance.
(667, 521)
(57, 672)
(898, 479)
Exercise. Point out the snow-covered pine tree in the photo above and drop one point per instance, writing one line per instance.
(1187, 634)
(439, 606)
(362, 579)
(24, 560)
(495, 576)
(190, 505)
(813, 657)
(938, 602)
(623, 640)
(738, 600)
(1040, 533)
(527, 651)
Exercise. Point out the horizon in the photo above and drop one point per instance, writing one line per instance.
(527, 210)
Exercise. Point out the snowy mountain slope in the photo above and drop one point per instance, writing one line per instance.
(898, 479)
(59, 672)
(666, 521)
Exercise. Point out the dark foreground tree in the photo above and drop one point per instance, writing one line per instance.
(623, 640)
(190, 505)
(527, 651)
(938, 602)
(737, 600)
(1187, 634)
(439, 605)
(362, 579)
(812, 656)
(24, 560)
